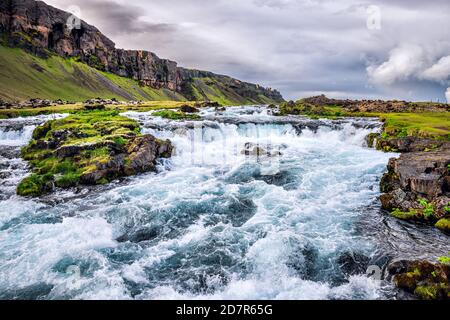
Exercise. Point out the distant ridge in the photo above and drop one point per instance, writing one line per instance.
(42, 31)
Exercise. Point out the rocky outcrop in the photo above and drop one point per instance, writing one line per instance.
(426, 280)
(88, 149)
(408, 144)
(378, 106)
(43, 30)
(417, 186)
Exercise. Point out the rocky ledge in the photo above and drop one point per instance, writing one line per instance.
(417, 187)
(88, 148)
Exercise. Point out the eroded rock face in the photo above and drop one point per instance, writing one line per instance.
(415, 176)
(417, 187)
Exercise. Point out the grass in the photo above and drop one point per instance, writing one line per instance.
(432, 125)
(176, 115)
(426, 125)
(77, 107)
(24, 76)
(223, 92)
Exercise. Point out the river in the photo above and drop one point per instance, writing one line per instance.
(302, 220)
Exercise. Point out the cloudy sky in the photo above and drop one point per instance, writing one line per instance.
(354, 48)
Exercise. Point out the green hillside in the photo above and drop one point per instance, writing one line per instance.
(24, 76)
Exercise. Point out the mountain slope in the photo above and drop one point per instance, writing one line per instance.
(44, 32)
(24, 76)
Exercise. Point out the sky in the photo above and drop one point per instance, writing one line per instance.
(389, 49)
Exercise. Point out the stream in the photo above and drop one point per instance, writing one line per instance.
(302, 220)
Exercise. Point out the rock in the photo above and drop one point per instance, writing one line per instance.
(427, 281)
(188, 109)
(415, 176)
(60, 156)
(144, 151)
(410, 144)
(43, 30)
(92, 107)
(353, 263)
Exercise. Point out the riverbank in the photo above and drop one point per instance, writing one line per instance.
(416, 187)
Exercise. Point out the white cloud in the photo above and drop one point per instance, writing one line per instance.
(404, 61)
(447, 95)
(292, 45)
(440, 71)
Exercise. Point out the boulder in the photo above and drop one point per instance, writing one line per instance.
(188, 109)
(144, 151)
(426, 280)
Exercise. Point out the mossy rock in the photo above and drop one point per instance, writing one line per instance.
(409, 215)
(85, 148)
(426, 280)
(36, 185)
(176, 115)
(444, 225)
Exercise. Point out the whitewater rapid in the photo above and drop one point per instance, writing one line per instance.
(213, 223)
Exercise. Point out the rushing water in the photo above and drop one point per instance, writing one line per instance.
(213, 223)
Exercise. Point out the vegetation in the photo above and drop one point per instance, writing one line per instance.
(223, 91)
(426, 211)
(24, 76)
(77, 107)
(444, 260)
(64, 150)
(176, 115)
(312, 111)
(444, 225)
(433, 125)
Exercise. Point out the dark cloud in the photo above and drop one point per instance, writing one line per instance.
(298, 46)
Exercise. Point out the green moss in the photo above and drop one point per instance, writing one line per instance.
(426, 292)
(444, 260)
(35, 185)
(96, 133)
(302, 108)
(444, 224)
(410, 215)
(176, 115)
(70, 179)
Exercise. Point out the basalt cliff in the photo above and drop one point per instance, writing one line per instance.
(43, 31)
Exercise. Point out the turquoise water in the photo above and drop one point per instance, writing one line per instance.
(213, 223)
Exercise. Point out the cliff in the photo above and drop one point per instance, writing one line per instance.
(44, 31)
